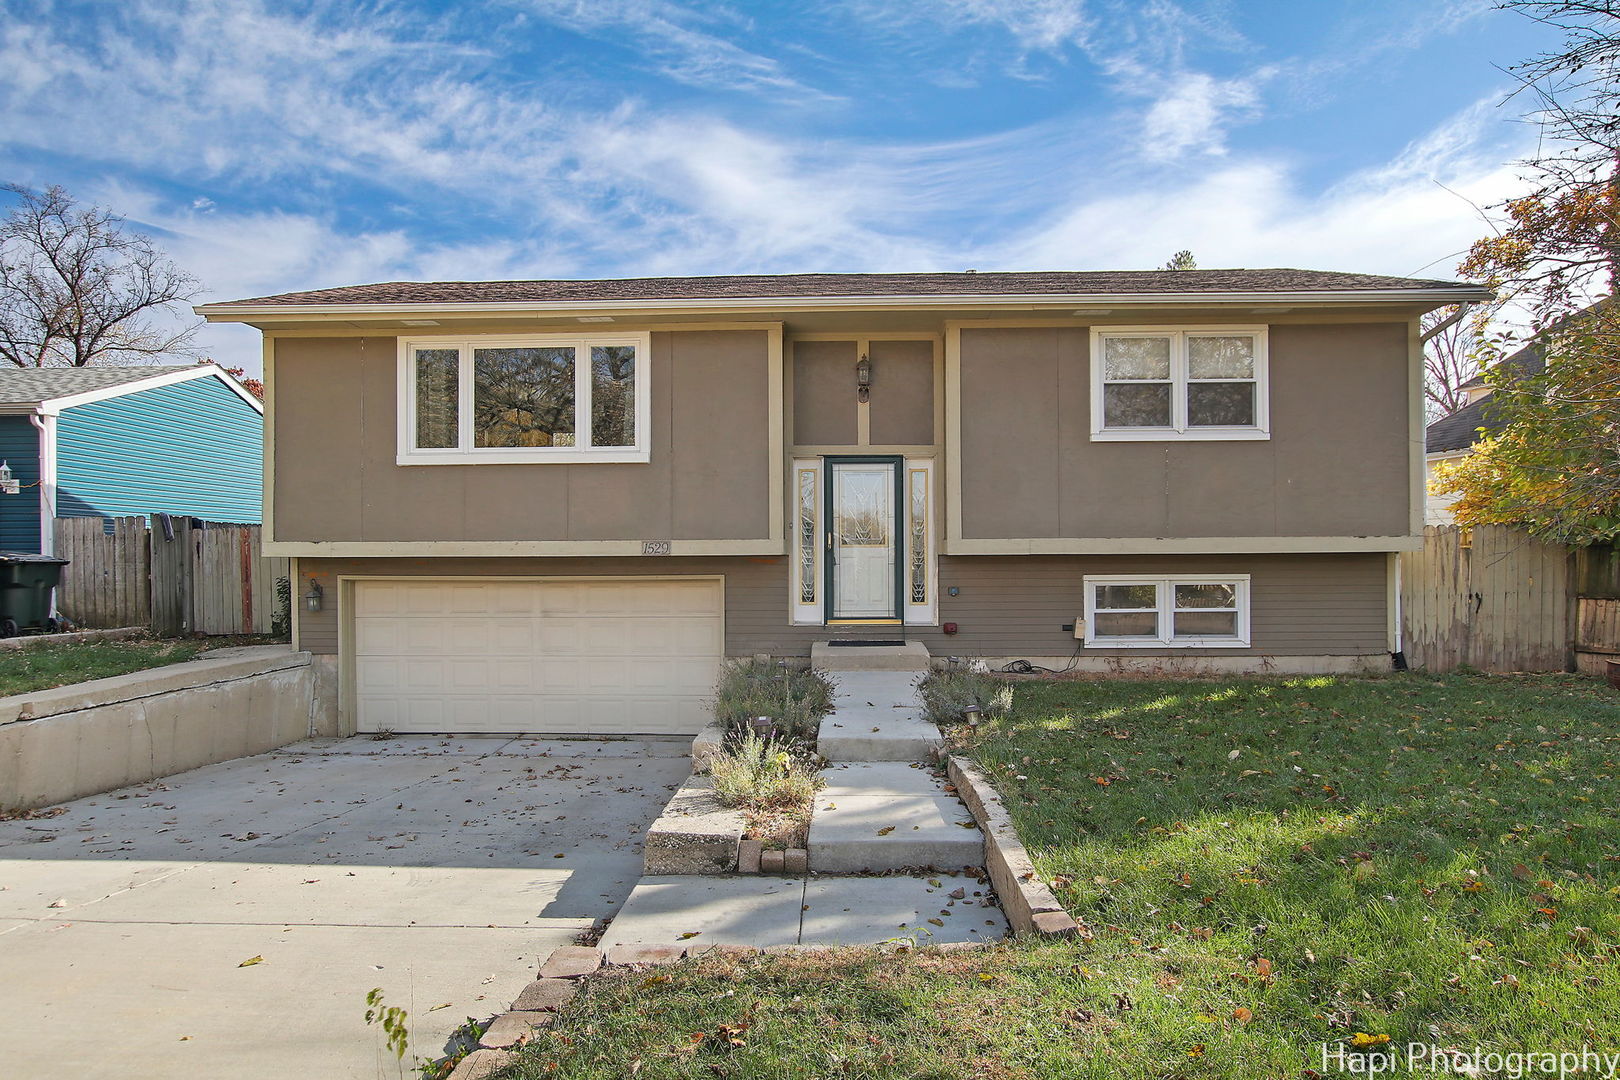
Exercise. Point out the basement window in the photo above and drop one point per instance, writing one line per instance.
(1154, 612)
(528, 399)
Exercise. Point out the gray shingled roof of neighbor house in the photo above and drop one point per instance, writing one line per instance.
(834, 286)
(29, 386)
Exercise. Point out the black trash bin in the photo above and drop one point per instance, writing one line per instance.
(26, 582)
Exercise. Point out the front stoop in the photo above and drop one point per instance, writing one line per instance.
(876, 717)
(912, 656)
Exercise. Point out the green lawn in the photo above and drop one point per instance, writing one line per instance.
(41, 667)
(1264, 866)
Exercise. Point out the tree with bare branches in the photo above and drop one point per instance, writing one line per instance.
(77, 288)
(1449, 361)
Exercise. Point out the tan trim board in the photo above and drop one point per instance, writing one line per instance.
(1192, 545)
(297, 614)
(495, 549)
(1392, 600)
(865, 335)
(267, 512)
(950, 485)
(901, 449)
(1418, 486)
(776, 432)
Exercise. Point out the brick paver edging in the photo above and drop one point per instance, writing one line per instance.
(1026, 900)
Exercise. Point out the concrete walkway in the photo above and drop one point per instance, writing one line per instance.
(749, 909)
(883, 812)
(436, 869)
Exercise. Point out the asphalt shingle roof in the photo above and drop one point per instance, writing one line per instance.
(29, 386)
(773, 286)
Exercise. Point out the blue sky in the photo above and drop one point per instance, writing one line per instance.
(287, 145)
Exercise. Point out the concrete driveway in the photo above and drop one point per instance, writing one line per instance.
(437, 869)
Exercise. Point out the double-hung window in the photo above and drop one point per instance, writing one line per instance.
(1155, 612)
(529, 398)
(1194, 383)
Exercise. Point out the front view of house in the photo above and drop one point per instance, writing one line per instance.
(556, 506)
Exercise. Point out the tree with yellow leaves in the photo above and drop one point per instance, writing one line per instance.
(1553, 464)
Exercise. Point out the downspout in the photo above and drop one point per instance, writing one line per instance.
(1457, 317)
(46, 425)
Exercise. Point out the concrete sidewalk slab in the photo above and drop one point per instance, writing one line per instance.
(696, 911)
(892, 833)
(864, 911)
(876, 779)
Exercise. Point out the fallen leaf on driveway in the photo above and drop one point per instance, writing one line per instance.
(436, 1008)
(250, 961)
(886, 830)
(690, 934)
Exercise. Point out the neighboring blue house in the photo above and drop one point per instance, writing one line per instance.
(107, 442)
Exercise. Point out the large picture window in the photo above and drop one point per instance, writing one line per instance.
(1184, 611)
(1185, 383)
(523, 399)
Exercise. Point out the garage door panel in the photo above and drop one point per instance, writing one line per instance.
(608, 656)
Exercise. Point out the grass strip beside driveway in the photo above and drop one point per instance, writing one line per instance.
(42, 667)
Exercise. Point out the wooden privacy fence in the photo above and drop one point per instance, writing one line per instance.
(1490, 597)
(174, 574)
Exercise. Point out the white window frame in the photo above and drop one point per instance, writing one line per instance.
(468, 454)
(1179, 430)
(1165, 595)
(814, 612)
(927, 612)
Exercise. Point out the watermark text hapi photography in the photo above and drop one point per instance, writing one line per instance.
(1391, 1058)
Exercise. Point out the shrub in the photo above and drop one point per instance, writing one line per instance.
(947, 694)
(760, 774)
(794, 698)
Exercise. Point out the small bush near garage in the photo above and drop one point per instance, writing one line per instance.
(946, 695)
(795, 699)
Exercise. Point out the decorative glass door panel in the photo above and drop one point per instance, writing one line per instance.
(862, 539)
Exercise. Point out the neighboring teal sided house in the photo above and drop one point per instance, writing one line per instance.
(106, 442)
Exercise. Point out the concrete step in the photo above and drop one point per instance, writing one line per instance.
(878, 779)
(912, 656)
(889, 828)
(875, 718)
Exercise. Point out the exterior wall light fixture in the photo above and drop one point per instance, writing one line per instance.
(312, 598)
(863, 378)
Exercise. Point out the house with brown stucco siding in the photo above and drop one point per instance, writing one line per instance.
(558, 506)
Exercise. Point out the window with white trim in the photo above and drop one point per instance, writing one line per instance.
(529, 398)
(1128, 611)
(1193, 383)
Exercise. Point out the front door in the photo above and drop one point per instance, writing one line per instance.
(863, 556)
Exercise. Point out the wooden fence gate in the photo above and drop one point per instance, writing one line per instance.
(174, 574)
(1490, 597)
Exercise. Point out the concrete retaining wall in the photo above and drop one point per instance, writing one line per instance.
(95, 736)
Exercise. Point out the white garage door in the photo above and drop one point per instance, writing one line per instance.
(608, 656)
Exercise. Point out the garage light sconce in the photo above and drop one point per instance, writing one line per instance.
(8, 486)
(863, 378)
(312, 599)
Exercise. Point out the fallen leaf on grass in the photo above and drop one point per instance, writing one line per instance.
(250, 961)
(1242, 1015)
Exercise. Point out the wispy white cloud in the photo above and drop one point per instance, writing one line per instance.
(682, 42)
(335, 123)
